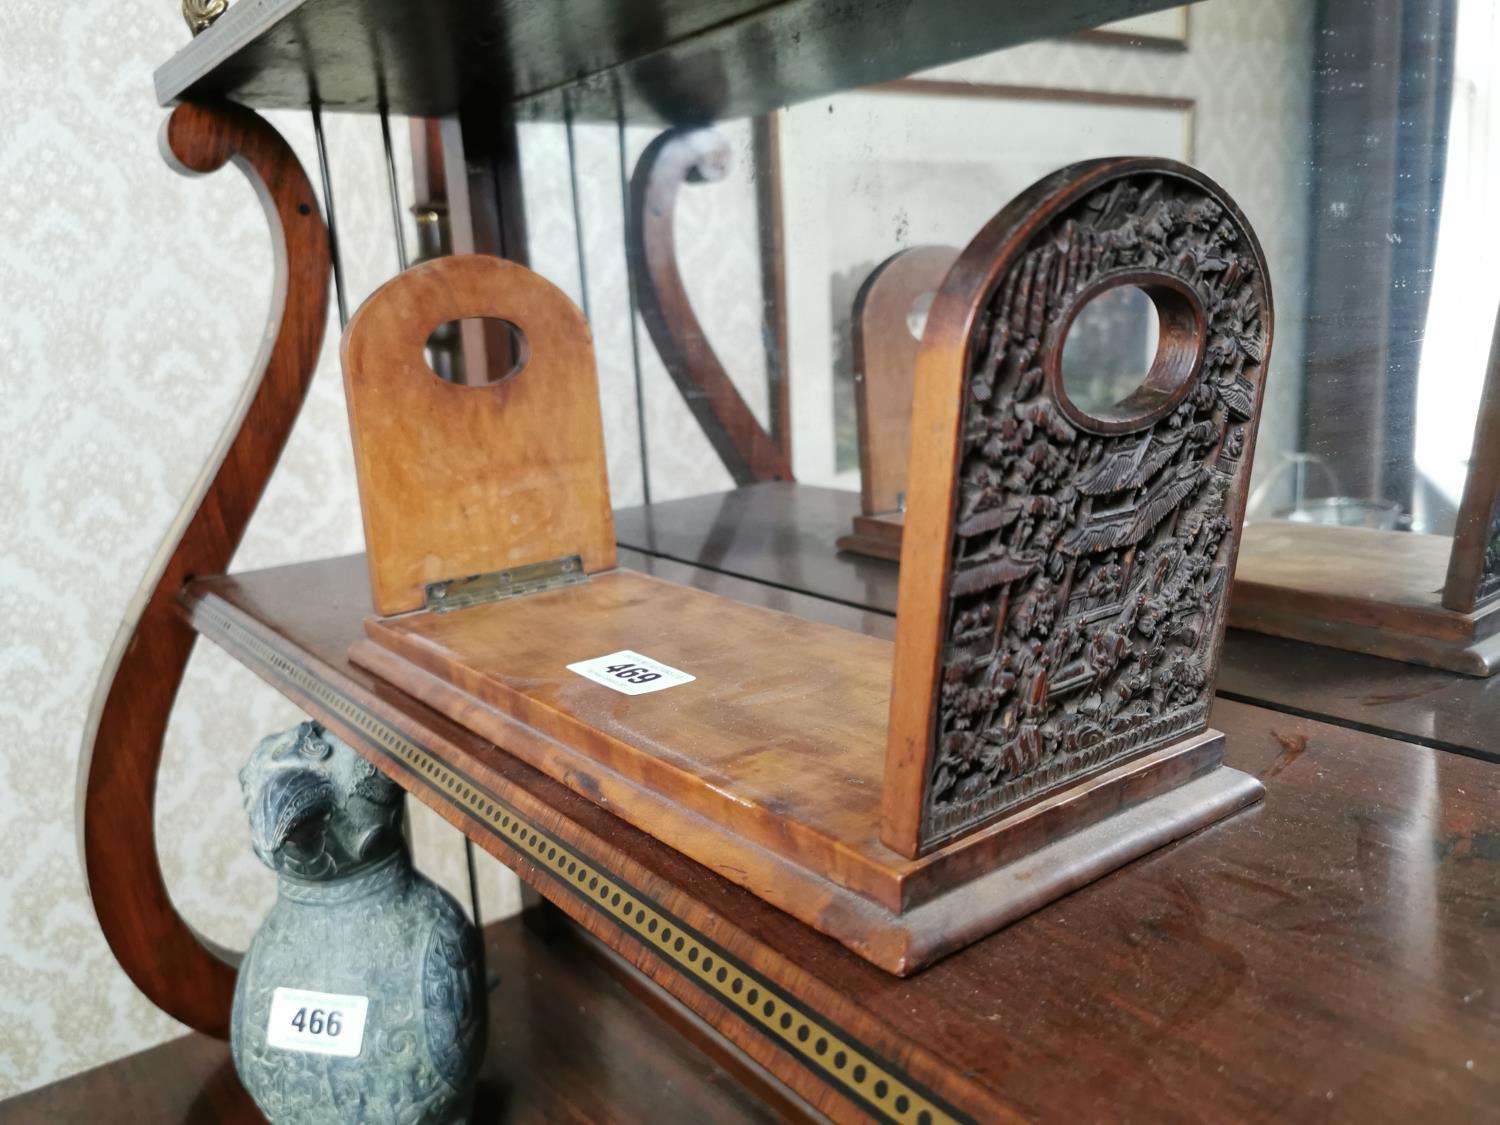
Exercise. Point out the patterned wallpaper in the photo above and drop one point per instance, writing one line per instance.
(133, 300)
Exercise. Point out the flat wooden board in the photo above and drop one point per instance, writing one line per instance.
(1371, 591)
(767, 766)
(456, 480)
(1355, 564)
(783, 727)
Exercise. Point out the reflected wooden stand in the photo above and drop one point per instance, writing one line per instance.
(885, 366)
(1038, 723)
(1422, 599)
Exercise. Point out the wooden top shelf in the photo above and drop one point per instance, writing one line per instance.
(1335, 940)
(674, 61)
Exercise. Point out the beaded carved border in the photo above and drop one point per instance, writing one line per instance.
(854, 1070)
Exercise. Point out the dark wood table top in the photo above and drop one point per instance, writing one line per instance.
(568, 1042)
(1332, 952)
(782, 535)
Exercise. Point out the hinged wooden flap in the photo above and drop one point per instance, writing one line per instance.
(456, 480)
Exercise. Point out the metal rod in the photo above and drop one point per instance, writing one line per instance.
(333, 225)
(583, 271)
(473, 882)
(394, 187)
(635, 341)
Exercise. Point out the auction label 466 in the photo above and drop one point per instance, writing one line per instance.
(322, 1023)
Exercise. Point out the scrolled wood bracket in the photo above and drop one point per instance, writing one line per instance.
(185, 975)
(677, 157)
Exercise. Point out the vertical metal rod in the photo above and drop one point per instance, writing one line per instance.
(583, 269)
(473, 882)
(393, 187)
(635, 341)
(333, 225)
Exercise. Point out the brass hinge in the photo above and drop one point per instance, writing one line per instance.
(477, 589)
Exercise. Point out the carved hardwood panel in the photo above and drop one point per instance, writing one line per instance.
(1085, 557)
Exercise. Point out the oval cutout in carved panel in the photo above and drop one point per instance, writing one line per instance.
(1125, 351)
(1108, 350)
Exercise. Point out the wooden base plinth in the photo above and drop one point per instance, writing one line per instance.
(878, 536)
(1362, 590)
(767, 767)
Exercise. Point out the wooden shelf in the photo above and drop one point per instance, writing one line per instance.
(678, 61)
(1324, 937)
(567, 1041)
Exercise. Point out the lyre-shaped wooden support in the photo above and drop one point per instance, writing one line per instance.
(1065, 574)
(885, 368)
(677, 157)
(178, 970)
(1063, 600)
(460, 482)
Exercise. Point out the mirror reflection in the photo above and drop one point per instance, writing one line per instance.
(1361, 138)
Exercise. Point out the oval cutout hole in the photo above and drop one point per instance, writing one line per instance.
(916, 316)
(1110, 349)
(456, 347)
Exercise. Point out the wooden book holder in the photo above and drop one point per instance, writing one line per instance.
(1042, 718)
(885, 371)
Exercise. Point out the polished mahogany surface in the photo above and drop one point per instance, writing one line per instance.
(674, 61)
(783, 536)
(1335, 945)
(568, 1042)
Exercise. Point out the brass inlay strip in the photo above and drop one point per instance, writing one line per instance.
(846, 1065)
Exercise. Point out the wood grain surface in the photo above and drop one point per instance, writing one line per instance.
(178, 970)
(1379, 592)
(463, 480)
(766, 767)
